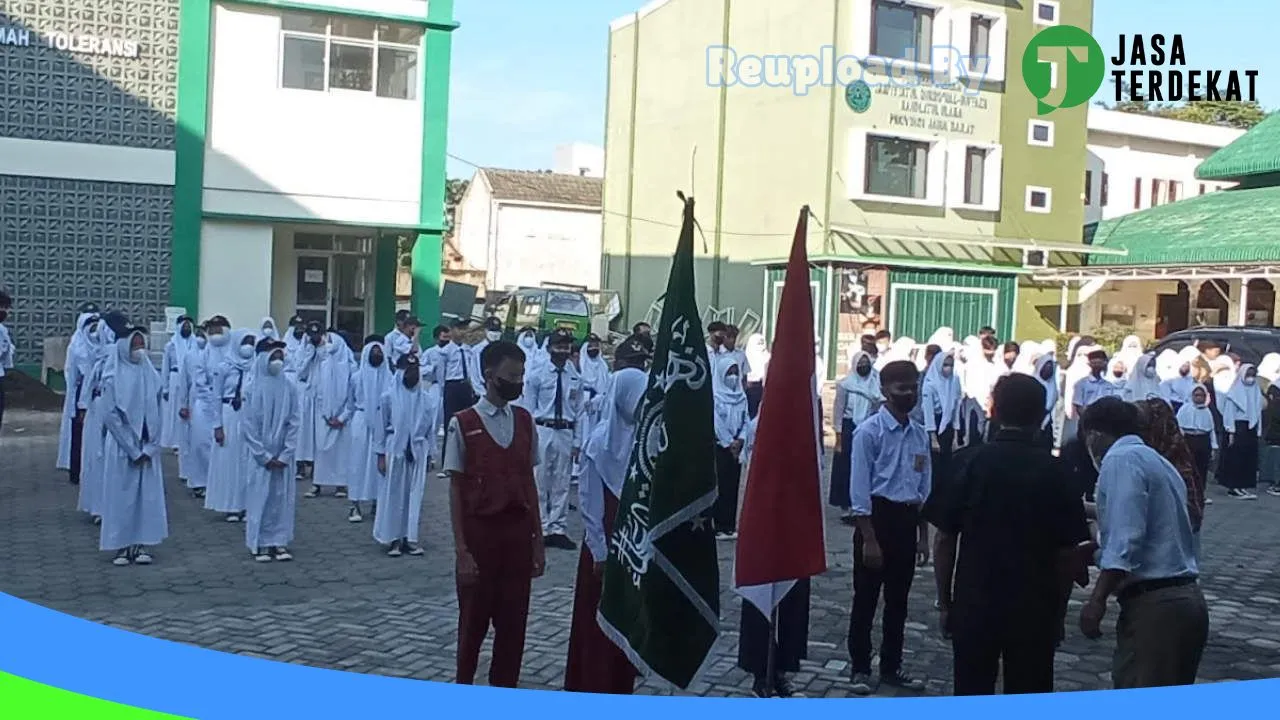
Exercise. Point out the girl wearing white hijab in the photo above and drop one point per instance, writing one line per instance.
(1178, 388)
(270, 431)
(226, 490)
(1118, 374)
(595, 372)
(730, 422)
(758, 368)
(857, 398)
(940, 400)
(1046, 372)
(1130, 350)
(1166, 364)
(368, 384)
(133, 505)
(93, 428)
(533, 356)
(1242, 416)
(182, 342)
(980, 376)
(204, 369)
(268, 330)
(1196, 422)
(1028, 355)
(1143, 384)
(185, 399)
(899, 350)
(330, 385)
(76, 369)
(403, 451)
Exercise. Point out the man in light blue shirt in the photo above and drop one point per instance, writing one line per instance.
(889, 479)
(1146, 555)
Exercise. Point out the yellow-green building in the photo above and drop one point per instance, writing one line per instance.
(935, 188)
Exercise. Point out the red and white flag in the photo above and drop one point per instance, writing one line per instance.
(780, 533)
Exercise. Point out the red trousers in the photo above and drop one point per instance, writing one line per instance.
(502, 547)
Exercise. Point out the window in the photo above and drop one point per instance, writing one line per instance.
(1137, 193)
(897, 167)
(1039, 199)
(1088, 187)
(1040, 132)
(1175, 189)
(980, 43)
(902, 32)
(1157, 192)
(1201, 188)
(1046, 12)
(1104, 191)
(320, 52)
(975, 171)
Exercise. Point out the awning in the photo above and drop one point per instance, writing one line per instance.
(1158, 272)
(902, 262)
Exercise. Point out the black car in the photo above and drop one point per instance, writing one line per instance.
(1250, 343)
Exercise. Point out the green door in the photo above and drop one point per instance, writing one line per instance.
(918, 312)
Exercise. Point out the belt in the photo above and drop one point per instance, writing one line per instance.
(173, 370)
(1134, 590)
(1195, 434)
(555, 424)
(458, 380)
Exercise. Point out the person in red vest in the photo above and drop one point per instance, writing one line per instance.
(490, 452)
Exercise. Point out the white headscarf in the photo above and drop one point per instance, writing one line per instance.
(371, 382)
(136, 386)
(1224, 374)
(610, 447)
(275, 398)
(233, 361)
(411, 414)
(943, 337)
(1269, 368)
(1246, 398)
(267, 330)
(334, 384)
(725, 394)
(1178, 387)
(594, 371)
(946, 389)
(1028, 353)
(899, 350)
(1167, 364)
(1130, 351)
(757, 357)
(1117, 364)
(1139, 385)
(1196, 419)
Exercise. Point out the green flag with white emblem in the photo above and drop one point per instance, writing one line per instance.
(661, 597)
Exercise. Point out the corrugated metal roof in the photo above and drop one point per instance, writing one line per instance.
(1229, 226)
(1257, 152)
(530, 186)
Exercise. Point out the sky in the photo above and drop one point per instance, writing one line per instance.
(530, 75)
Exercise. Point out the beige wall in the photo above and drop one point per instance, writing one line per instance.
(1138, 294)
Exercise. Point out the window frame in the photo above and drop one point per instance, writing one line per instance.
(375, 45)
(1048, 200)
(1137, 193)
(867, 168)
(1032, 124)
(920, 8)
(1057, 12)
(1088, 187)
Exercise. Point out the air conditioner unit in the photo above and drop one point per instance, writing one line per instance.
(1035, 258)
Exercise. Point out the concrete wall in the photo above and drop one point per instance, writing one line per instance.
(236, 269)
(474, 223)
(537, 245)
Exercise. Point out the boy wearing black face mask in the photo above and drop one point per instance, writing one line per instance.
(490, 452)
(556, 398)
(889, 480)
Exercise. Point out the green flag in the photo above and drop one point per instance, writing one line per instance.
(661, 598)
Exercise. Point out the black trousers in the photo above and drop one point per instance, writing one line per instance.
(942, 458)
(1201, 447)
(77, 436)
(458, 395)
(728, 478)
(896, 526)
(979, 652)
(755, 393)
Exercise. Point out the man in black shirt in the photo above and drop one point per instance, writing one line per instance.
(1021, 531)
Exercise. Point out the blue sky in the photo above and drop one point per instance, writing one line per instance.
(528, 76)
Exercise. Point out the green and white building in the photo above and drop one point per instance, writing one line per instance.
(936, 197)
(237, 157)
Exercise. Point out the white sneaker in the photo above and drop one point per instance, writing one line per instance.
(354, 516)
(143, 558)
(120, 560)
(233, 518)
(262, 556)
(283, 554)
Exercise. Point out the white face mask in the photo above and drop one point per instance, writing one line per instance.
(246, 351)
(219, 340)
(201, 342)
(275, 367)
(138, 354)
(732, 381)
(1149, 372)
(493, 335)
(882, 347)
(1250, 380)
(269, 332)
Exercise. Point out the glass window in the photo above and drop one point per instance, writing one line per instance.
(312, 241)
(975, 168)
(303, 63)
(1175, 189)
(979, 43)
(399, 34)
(896, 167)
(305, 22)
(1137, 193)
(1038, 199)
(1047, 12)
(902, 31)
(1105, 190)
(563, 303)
(350, 67)
(397, 73)
(1040, 132)
(1157, 192)
(341, 27)
(1088, 187)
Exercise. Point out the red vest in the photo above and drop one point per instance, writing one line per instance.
(496, 480)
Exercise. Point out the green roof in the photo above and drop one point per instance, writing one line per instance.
(1257, 152)
(1224, 227)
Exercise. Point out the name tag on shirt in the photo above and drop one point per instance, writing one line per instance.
(917, 463)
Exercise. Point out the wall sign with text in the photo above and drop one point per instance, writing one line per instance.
(79, 43)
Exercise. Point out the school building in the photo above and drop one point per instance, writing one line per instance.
(237, 157)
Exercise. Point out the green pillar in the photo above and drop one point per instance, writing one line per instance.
(386, 260)
(437, 51)
(188, 183)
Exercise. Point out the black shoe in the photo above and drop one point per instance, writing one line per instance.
(902, 681)
(847, 520)
(783, 688)
(759, 690)
(562, 542)
(861, 684)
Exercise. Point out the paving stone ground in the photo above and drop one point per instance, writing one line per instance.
(342, 604)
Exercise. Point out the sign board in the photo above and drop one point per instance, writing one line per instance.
(457, 300)
(313, 276)
(79, 43)
(171, 315)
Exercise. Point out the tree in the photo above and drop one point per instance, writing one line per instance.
(454, 189)
(1224, 113)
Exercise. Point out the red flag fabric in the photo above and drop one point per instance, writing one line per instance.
(780, 532)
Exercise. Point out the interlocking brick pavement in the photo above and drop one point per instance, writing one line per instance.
(342, 604)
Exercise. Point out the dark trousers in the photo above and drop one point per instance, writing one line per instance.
(838, 494)
(1239, 466)
(942, 457)
(1160, 638)
(755, 393)
(1201, 449)
(503, 550)
(896, 526)
(728, 477)
(458, 395)
(979, 652)
(77, 436)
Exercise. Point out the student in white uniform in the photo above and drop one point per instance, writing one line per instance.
(182, 342)
(403, 450)
(330, 387)
(595, 380)
(185, 398)
(134, 519)
(368, 384)
(93, 435)
(492, 334)
(940, 399)
(270, 431)
(730, 424)
(1177, 389)
(78, 366)
(554, 396)
(398, 342)
(207, 392)
(1195, 420)
(857, 397)
(226, 490)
